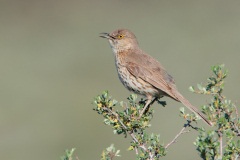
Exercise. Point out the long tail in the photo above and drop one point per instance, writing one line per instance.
(192, 108)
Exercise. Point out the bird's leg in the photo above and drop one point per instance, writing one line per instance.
(150, 100)
(147, 109)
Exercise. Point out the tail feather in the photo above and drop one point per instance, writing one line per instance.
(192, 108)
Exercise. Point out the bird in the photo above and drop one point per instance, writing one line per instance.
(141, 73)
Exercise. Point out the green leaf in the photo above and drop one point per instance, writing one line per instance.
(182, 110)
(199, 87)
(68, 154)
(191, 88)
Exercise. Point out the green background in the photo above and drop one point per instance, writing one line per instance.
(52, 64)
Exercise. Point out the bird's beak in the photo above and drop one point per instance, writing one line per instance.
(105, 35)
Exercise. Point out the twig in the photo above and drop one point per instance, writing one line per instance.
(136, 150)
(235, 126)
(236, 157)
(220, 144)
(151, 155)
(236, 110)
(182, 131)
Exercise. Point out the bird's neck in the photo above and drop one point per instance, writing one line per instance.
(121, 47)
(117, 49)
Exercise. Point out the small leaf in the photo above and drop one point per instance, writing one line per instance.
(182, 110)
(200, 87)
(191, 88)
(130, 148)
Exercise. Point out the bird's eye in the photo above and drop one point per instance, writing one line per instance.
(120, 36)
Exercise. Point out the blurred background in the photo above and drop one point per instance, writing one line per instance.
(53, 64)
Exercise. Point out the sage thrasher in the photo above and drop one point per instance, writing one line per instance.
(141, 73)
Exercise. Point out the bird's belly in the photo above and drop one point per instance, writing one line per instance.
(137, 85)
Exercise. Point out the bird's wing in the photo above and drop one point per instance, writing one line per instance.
(143, 66)
(152, 78)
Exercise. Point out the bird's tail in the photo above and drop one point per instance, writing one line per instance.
(192, 108)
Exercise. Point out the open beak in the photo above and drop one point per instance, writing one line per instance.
(105, 35)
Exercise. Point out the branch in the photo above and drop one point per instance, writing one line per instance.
(136, 150)
(182, 131)
(234, 125)
(236, 110)
(220, 144)
(146, 150)
(130, 133)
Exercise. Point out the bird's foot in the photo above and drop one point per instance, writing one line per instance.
(163, 103)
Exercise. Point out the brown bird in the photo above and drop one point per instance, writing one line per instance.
(141, 73)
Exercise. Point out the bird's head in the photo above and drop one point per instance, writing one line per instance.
(121, 39)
